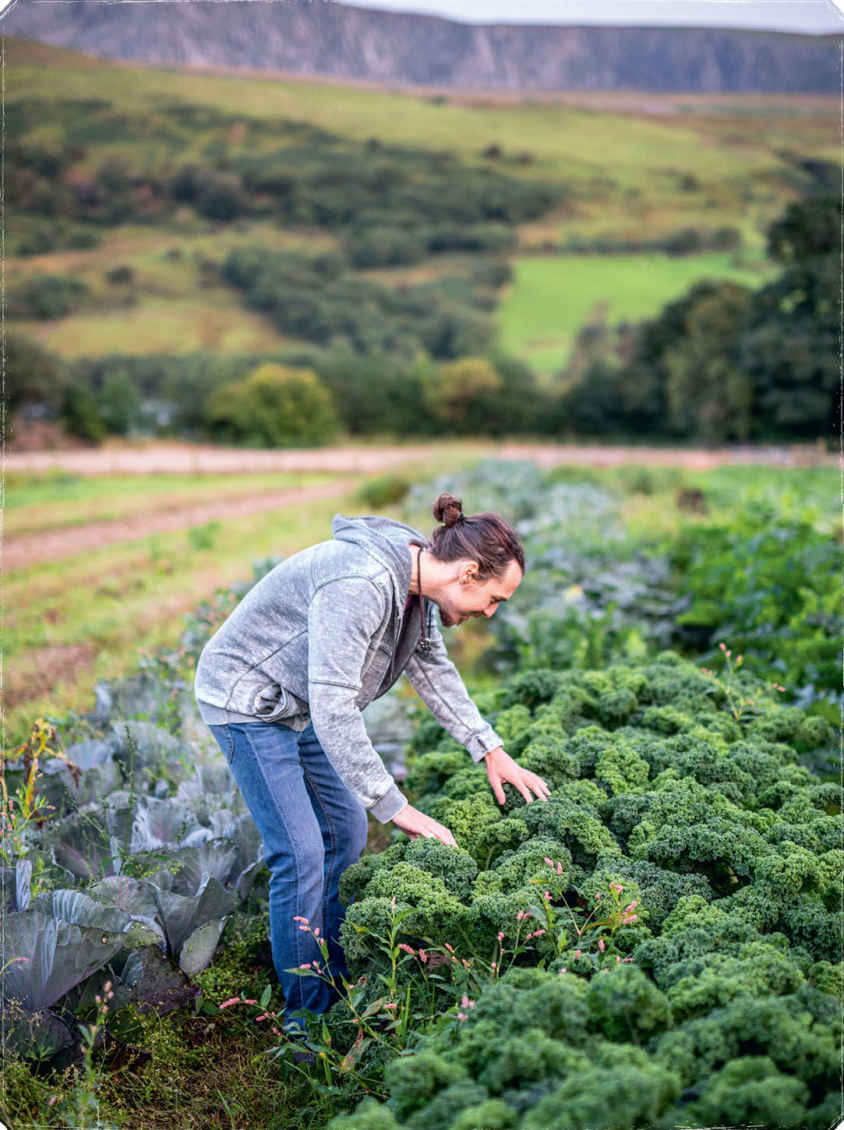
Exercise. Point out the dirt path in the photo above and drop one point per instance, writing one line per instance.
(29, 549)
(182, 458)
(19, 552)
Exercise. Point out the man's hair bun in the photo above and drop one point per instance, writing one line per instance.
(448, 509)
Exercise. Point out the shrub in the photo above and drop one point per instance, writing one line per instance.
(48, 296)
(273, 407)
(456, 394)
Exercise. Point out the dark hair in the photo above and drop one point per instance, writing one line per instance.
(484, 538)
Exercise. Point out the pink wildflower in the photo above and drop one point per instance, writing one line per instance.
(550, 862)
(631, 906)
(465, 1001)
(462, 1016)
(423, 957)
(630, 918)
(578, 954)
(407, 949)
(559, 868)
(449, 947)
(563, 970)
(492, 966)
(628, 959)
(230, 1002)
(522, 914)
(306, 965)
(547, 896)
(617, 887)
(601, 944)
(305, 928)
(393, 903)
(390, 1005)
(598, 897)
(263, 1016)
(299, 918)
(501, 935)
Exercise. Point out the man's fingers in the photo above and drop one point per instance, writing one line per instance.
(540, 788)
(538, 785)
(445, 837)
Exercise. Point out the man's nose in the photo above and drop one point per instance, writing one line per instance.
(489, 611)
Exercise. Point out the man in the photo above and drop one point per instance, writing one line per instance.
(282, 684)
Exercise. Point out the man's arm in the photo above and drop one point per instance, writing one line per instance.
(343, 618)
(438, 683)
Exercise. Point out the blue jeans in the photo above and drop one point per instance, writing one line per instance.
(313, 828)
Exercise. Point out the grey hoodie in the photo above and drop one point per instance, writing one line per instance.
(316, 640)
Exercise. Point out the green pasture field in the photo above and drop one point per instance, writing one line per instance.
(552, 297)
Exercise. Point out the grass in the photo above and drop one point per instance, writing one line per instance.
(550, 299)
(36, 502)
(568, 139)
(162, 1080)
(74, 622)
(212, 319)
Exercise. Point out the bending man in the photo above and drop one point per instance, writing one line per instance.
(283, 681)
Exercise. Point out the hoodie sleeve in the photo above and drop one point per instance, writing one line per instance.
(437, 682)
(343, 618)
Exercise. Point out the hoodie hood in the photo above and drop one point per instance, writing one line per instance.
(384, 539)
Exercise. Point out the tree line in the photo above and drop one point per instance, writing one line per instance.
(722, 363)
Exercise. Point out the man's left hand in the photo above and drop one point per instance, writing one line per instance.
(500, 767)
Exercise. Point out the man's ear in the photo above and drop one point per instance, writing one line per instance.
(469, 572)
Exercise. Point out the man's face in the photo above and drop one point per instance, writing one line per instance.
(466, 596)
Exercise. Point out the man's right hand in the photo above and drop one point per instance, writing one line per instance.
(416, 823)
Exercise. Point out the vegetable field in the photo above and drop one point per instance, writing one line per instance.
(657, 945)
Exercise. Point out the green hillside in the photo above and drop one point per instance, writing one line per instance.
(553, 297)
(157, 212)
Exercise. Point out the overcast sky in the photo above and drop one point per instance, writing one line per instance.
(777, 15)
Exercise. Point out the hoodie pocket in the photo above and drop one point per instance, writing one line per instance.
(269, 703)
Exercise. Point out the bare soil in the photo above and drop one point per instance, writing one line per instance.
(157, 457)
(43, 669)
